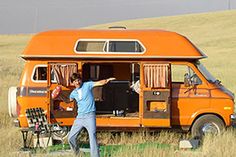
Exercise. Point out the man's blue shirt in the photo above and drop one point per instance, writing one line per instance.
(84, 98)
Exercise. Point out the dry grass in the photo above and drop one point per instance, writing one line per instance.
(142, 136)
(223, 145)
(213, 33)
(11, 65)
(10, 69)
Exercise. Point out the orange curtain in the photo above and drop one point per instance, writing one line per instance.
(63, 73)
(156, 75)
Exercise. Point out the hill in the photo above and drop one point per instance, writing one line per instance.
(214, 33)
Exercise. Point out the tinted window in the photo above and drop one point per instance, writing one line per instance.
(90, 46)
(125, 46)
(40, 74)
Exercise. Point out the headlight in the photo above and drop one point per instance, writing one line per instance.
(233, 116)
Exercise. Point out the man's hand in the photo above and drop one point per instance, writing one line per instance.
(103, 82)
(111, 79)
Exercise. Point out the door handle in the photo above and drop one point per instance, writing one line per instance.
(157, 93)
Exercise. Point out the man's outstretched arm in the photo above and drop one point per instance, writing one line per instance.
(103, 82)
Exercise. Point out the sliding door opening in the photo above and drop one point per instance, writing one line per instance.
(119, 97)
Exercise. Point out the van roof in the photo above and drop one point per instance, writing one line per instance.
(157, 44)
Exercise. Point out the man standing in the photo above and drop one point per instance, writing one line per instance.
(86, 112)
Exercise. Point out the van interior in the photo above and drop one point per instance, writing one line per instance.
(117, 98)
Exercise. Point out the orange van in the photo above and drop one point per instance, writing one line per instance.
(160, 82)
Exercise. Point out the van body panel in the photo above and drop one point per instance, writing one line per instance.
(45, 44)
(184, 109)
(221, 114)
(162, 123)
(224, 108)
(221, 94)
(153, 107)
(26, 102)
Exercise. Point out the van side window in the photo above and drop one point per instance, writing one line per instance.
(125, 46)
(180, 71)
(40, 74)
(90, 46)
(108, 45)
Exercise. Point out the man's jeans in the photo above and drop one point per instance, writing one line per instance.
(89, 122)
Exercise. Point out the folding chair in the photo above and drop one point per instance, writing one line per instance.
(38, 125)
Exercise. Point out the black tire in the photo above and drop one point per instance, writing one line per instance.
(207, 124)
(63, 133)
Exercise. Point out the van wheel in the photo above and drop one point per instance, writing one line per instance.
(207, 124)
(60, 135)
(12, 104)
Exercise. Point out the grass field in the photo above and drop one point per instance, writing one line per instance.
(213, 33)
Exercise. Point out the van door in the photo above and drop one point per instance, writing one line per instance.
(60, 73)
(156, 93)
(190, 94)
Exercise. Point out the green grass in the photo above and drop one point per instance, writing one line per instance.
(111, 150)
(213, 33)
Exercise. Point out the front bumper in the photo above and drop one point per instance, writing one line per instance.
(233, 120)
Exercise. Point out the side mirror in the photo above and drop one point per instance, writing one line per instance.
(187, 81)
(195, 80)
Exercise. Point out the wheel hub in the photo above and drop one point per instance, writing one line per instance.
(62, 133)
(210, 128)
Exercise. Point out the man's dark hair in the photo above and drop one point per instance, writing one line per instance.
(75, 76)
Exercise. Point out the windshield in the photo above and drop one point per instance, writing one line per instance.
(206, 73)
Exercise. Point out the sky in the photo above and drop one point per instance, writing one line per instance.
(31, 16)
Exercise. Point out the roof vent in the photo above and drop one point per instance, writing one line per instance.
(117, 27)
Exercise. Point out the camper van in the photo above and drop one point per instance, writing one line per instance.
(160, 81)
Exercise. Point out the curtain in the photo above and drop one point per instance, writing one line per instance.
(63, 73)
(156, 75)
